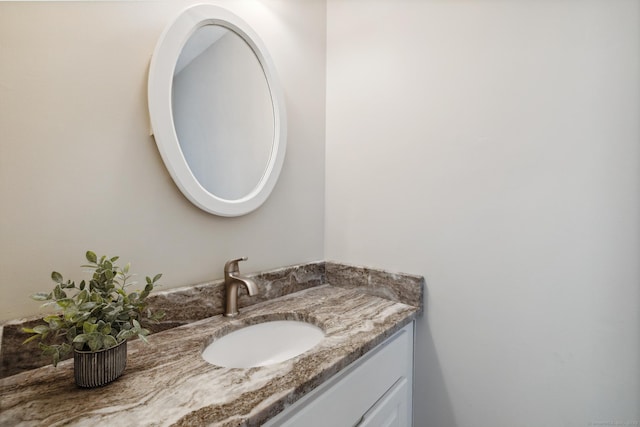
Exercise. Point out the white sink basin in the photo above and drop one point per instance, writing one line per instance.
(263, 344)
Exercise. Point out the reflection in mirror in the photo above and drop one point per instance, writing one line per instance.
(223, 112)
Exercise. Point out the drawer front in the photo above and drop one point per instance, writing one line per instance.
(391, 410)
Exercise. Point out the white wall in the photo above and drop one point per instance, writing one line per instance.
(78, 169)
(494, 147)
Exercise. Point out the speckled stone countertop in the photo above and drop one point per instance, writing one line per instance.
(168, 382)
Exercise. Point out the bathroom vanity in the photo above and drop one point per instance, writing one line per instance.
(358, 374)
(374, 391)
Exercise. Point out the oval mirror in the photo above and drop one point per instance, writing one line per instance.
(217, 111)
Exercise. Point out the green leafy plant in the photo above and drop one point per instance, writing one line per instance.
(99, 315)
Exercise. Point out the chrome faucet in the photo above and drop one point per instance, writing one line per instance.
(232, 279)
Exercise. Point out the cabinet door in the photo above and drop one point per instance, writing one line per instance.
(391, 409)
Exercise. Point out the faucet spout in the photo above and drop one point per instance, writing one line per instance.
(251, 286)
(232, 280)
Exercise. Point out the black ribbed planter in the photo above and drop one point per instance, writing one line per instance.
(97, 368)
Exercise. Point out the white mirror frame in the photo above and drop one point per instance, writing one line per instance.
(160, 83)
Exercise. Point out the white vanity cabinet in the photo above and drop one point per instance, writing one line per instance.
(374, 391)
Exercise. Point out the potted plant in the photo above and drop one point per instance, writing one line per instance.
(95, 321)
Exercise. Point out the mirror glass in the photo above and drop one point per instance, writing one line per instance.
(222, 112)
(217, 111)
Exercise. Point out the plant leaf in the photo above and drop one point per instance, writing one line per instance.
(157, 315)
(71, 334)
(82, 296)
(65, 302)
(82, 338)
(125, 334)
(41, 296)
(87, 306)
(58, 293)
(91, 256)
(54, 322)
(95, 341)
(41, 329)
(47, 350)
(109, 341)
(88, 328)
(56, 277)
(106, 329)
(64, 349)
(31, 338)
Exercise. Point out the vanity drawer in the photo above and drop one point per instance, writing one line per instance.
(391, 410)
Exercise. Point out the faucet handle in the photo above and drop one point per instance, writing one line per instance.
(231, 266)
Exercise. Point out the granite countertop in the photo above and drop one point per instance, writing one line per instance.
(168, 383)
